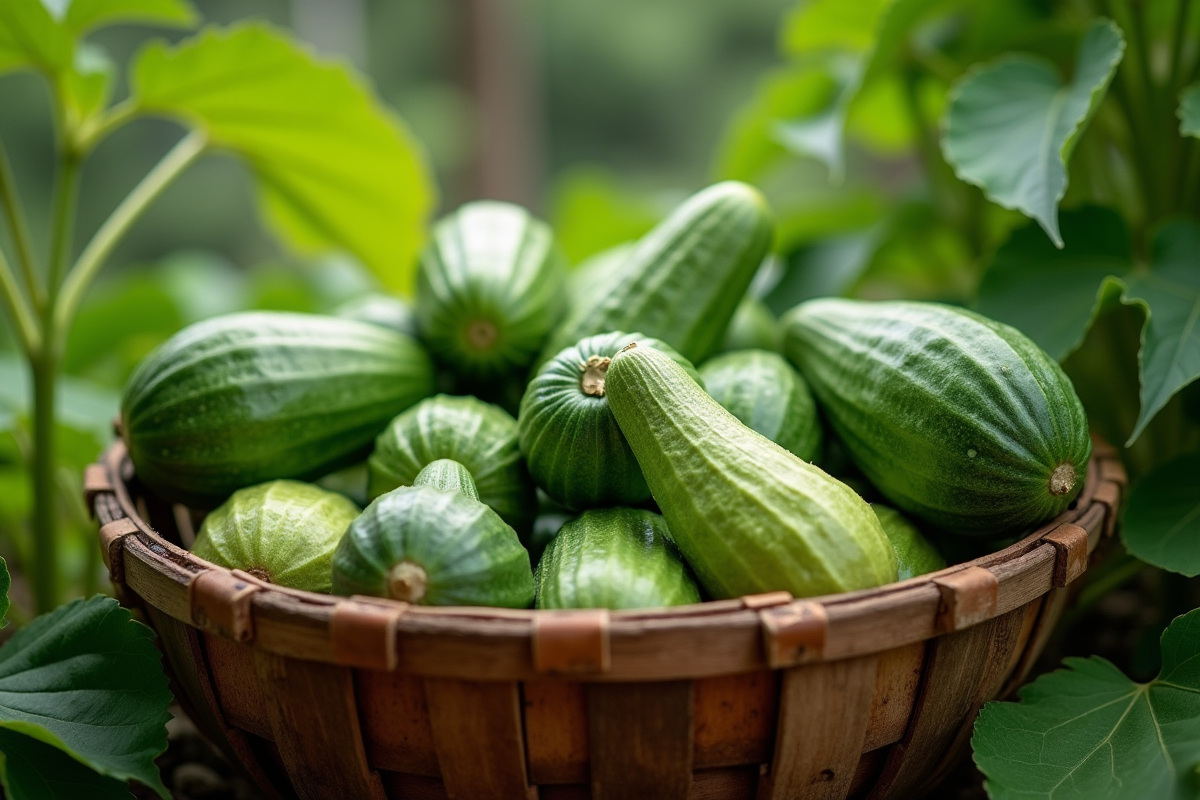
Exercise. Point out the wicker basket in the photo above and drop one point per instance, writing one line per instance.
(869, 694)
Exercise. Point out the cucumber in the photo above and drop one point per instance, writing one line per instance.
(614, 558)
(430, 546)
(747, 515)
(479, 436)
(763, 391)
(283, 532)
(683, 281)
(915, 554)
(753, 327)
(489, 289)
(238, 400)
(570, 440)
(958, 420)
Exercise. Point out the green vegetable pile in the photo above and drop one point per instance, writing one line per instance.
(518, 417)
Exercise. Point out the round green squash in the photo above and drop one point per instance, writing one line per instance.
(915, 554)
(958, 420)
(571, 442)
(283, 532)
(245, 398)
(383, 310)
(424, 545)
(614, 558)
(479, 436)
(489, 289)
(766, 393)
(449, 476)
(753, 327)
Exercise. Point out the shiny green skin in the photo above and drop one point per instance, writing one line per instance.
(491, 264)
(470, 556)
(763, 391)
(956, 419)
(571, 442)
(915, 554)
(380, 309)
(283, 531)
(683, 280)
(246, 398)
(753, 327)
(747, 515)
(478, 435)
(449, 476)
(614, 558)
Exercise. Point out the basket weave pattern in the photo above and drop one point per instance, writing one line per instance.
(868, 694)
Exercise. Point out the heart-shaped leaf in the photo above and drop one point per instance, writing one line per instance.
(1089, 733)
(1161, 525)
(33, 770)
(334, 167)
(86, 680)
(1189, 111)
(1011, 125)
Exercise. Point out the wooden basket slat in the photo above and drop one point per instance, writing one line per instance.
(725, 783)
(734, 717)
(403, 786)
(556, 732)
(236, 684)
(865, 775)
(824, 711)
(565, 791)
(315, 725)
(896, 682)
(397, 731)
(640, 740)
(477, 732)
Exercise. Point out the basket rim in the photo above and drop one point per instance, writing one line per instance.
(705, 639)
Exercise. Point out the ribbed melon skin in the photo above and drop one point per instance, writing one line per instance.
(915, 555)
(469, 555)
(246, 398)
(765, 392)
(478, 435)
(489, 263)
(956, 419)
(747, 515)
(683, 281)
(571, 442)
(614, 558)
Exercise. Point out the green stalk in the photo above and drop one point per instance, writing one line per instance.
(19, 230)
(18, 308)
(119, 222)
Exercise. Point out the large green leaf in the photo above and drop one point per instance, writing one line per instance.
(334, 167)
(1162, 519)
(1011, 125)
(33, 770)
(1089, 733)
(1189, 111)
(86, 679)
(820, 135)
(1051, 294)
(79, 16)
(831, 24)
(31, 37)
(592, 212)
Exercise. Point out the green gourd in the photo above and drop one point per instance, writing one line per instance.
(683, 280)
(489, 289)
(238, 400)
(614, 558)
(283, 532)
(383, 310)
(479, 436)
(747, 515)
(915, 554)
(958, 420)
(766, 393)
(436, 547)
(572, 444)
(753, 327)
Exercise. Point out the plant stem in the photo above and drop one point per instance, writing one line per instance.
(118, 223)
(18, 308)
(45, 500)
(19, 230)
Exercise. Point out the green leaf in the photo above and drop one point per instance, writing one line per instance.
(33, 770)
(31, 37)
(86, 15)
(818, 25)
(821, 135)
(86, 679)
(1170, 356)
(334, 167)
(1161, 525)
(1051, 295)
(82, 404)
(1011, 125)
(1189, 111)
(591, 212)
(1089, 733)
